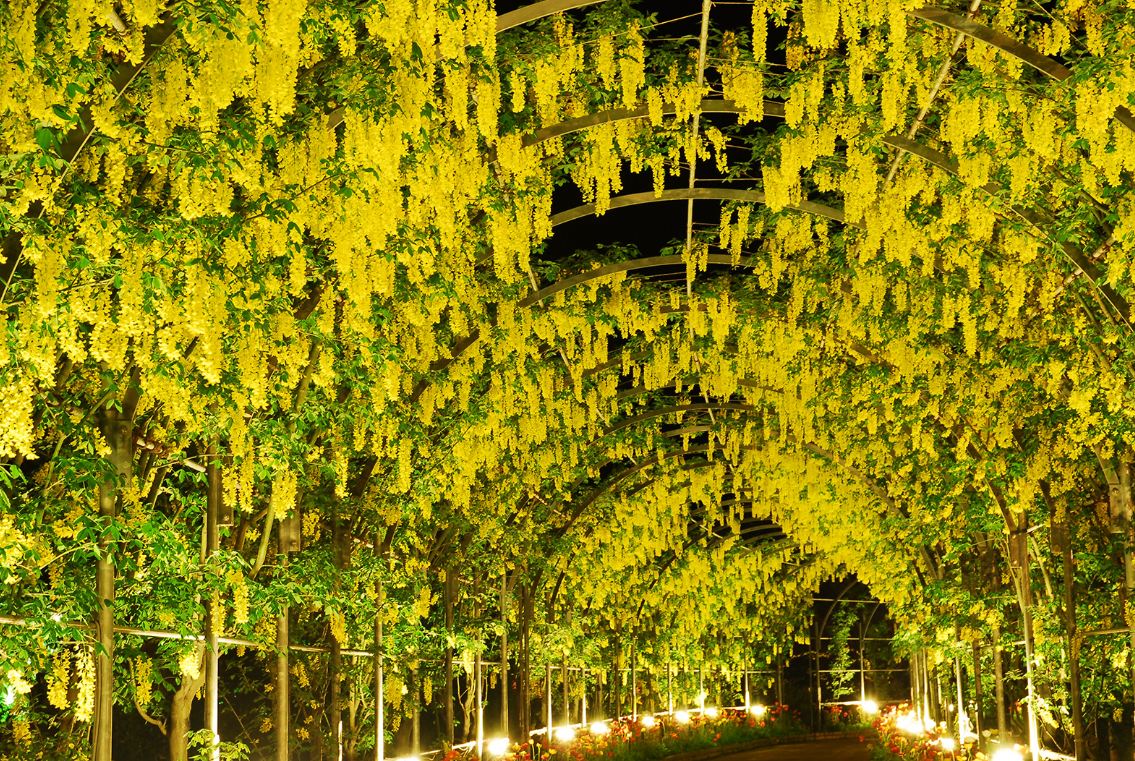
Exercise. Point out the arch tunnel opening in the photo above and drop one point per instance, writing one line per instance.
(435, 378)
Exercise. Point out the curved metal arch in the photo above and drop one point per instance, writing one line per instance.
(696, 194)
(629, 265)
(538, 10)
(673, 410)
(707, 106)
(809, 448)
(934, 15)
(1037, 221)
(1029, 56)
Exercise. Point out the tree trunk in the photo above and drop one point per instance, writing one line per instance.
(180, 707)
(504, 655)
(999, 686)
(116, 429)
(450, 593)
(1062, 541)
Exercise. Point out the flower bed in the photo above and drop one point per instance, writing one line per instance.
(900, 736)
(626, 740)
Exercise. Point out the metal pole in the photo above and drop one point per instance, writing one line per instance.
(961, 701)
(779, 680)
(548, 699)
(213, 608)
(477, 675)
(583, 700)
(634, 685)
(862, 660)
(283, 684)
(701, 689)
(669, 688)
(379, 658)
(567, 700)
(504, 654)
(745, 679)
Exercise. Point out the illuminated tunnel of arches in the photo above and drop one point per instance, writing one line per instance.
(403, 378)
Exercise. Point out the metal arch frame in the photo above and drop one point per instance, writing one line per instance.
(1037, 221)
(673, 410)
(773, 108)
(809, 449)
(467, 341)
(695, 194)
(940, 16)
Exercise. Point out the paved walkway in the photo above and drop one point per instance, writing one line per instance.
(843, 749)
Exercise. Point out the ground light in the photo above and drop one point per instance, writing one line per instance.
(1007, 753)
(647, 721)
(869, 707)
(910, 723)
(758, 710)
(948, 744)
(599, 728)
(498, 746)
(682, 717)
(711, 712)
(564, 734)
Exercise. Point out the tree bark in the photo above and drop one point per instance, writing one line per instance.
(504, 654)
(999, 685)
(450, 593)
(180, 707)
(116, 429)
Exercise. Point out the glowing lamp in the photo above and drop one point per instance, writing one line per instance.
(647, 721)
(599, 728)
(758, 711)
(682, 717)
(948, 744)
(910, 723)
(869, 707)
(1006, 753)
(564, 734)
(498, 746)
(712, 712)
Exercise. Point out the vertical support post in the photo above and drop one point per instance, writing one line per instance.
(701, 689)
(567, 698)
(862, 658)
(978, 696)
(779, 680)
(283, 676)
(213, 610)
(379, 671)
(634, 685)
(669, 687)
(478, 675)
(335, 657)
(548, 700)
(416, 709)
(504, 653)
(962, 722)
(583, 700)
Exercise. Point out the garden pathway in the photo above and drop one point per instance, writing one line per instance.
(842, 749)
